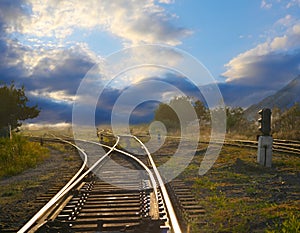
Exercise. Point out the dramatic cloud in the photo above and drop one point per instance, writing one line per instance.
(133, 21)
(36, 50)
(272, 63)
(51, 111)
(50, 77)
(140, 100)
(52, 70)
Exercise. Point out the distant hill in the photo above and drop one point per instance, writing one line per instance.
(236, 95)
(284, 98)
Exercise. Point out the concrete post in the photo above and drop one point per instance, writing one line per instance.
(264, 152)
(9, 132)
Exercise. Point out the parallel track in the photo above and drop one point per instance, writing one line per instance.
(114, 200)
(130, 200)
(283, 146)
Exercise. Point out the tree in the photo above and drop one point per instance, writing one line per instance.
(235, 119)
(13, 106)
(167, 116)
(290, 121)
(179, 112)
(201, 111)
(286, 122)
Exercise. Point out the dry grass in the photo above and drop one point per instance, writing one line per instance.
(241, 196)
(19, 154)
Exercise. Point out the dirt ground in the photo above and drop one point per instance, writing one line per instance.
(21, 196)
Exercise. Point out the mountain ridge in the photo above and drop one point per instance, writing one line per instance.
(282, 99)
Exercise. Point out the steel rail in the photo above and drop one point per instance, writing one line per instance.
(291, 148)
(54, 199)
(174, 221)
(152, 179)
(65, 190)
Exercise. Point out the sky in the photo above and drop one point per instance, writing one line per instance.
(50, 45)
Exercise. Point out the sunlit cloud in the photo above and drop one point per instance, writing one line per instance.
(38, 126)
(52, 67)
(274, 60)
(57, 96)
(132, 21)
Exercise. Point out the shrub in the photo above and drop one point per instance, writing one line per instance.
(19, 154)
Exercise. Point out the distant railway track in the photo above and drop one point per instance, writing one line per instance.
(130, 200)
(279, 145)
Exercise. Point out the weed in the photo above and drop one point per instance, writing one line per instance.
(19, 154)
(289, 225)
(241, 196)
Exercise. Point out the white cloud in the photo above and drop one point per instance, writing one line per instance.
(166, 1)
(38, 126)
(264, 4)
(268, 4)
(134, 21)
(296, 29)
(57, 96)
(279, 43)
(246, 65)
(293, 3)
(46, 58)
(286, 21)
(41, 54)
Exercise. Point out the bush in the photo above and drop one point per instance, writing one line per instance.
(19, 154)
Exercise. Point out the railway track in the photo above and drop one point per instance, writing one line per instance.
(119, 192)
(279, 145)
(105, 198)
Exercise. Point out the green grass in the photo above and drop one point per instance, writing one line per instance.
(239, 195)
(290, 225)
(19, 154)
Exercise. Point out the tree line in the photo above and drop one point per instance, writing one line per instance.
(285, 123)
(14, 109)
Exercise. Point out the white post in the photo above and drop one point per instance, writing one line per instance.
(264, 152)
(9, 132)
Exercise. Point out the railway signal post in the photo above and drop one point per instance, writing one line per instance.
(265, 141)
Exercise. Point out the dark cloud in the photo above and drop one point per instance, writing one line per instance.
(47, 71)
(51, 112)
(66, 75)
(273, 70)
(147, 93)
(10, 11)
(57, 69)
(144, 112)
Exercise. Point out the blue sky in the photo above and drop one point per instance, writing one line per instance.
(50, 45)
